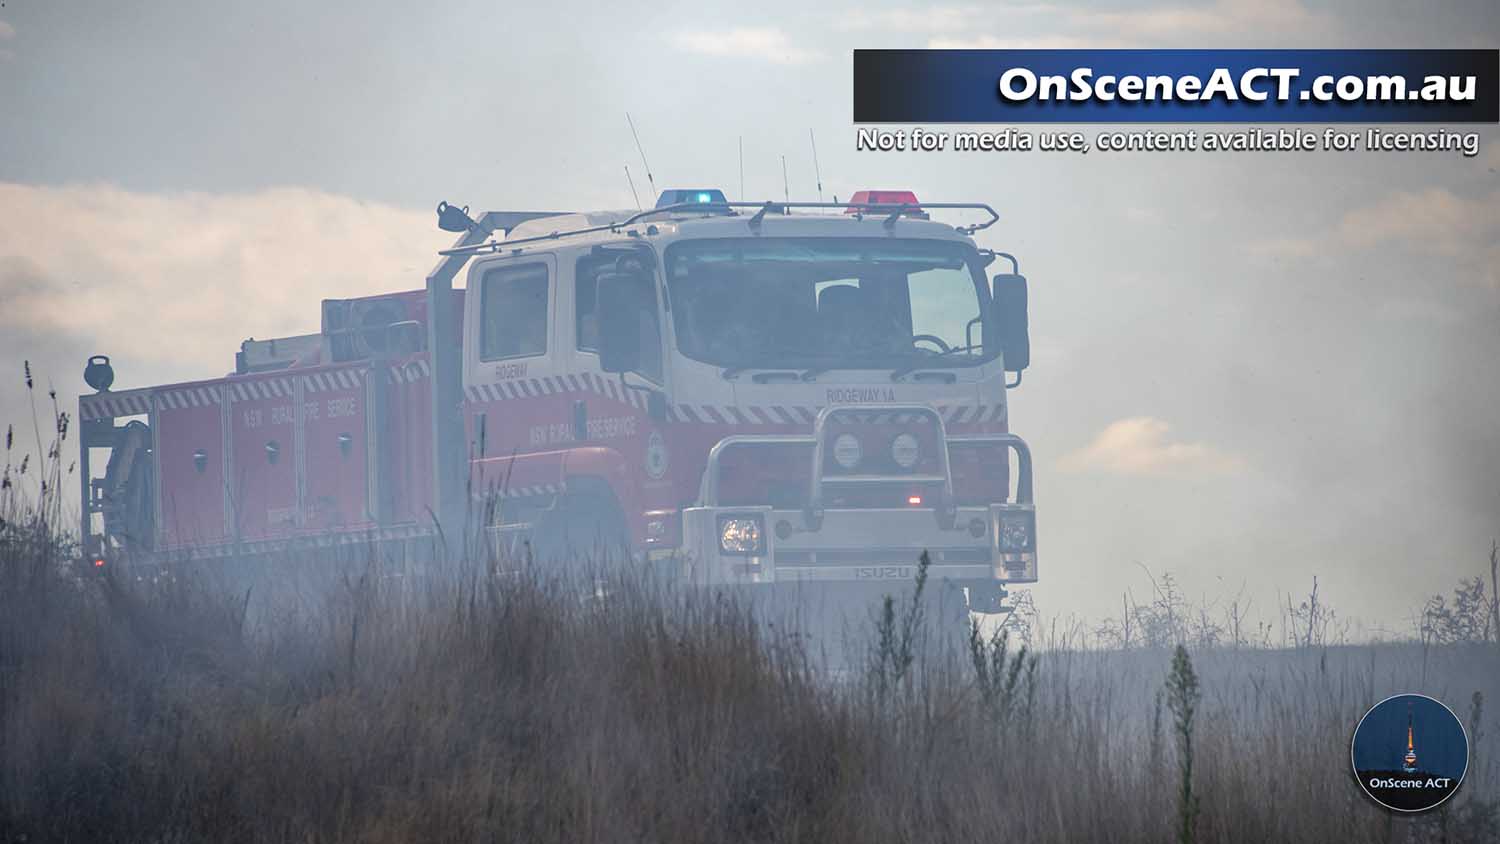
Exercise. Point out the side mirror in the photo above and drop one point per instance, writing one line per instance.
(1008, 319)
(618, 309)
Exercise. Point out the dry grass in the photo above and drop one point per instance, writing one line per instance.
(463, 706)
(474, 707)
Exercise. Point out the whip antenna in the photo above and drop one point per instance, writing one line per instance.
(632, 188)
(786, 191)
(818, 174)
(742, 168)
(640, 149)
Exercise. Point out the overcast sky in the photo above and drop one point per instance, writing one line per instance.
(1248, 369)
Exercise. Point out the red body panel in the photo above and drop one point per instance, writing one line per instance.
(190, 455)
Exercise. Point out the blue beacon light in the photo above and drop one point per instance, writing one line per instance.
(697, 196)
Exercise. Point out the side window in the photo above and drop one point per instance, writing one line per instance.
(514, 318)
(943, 305)
(585, 295)
(650, 332)
(586, 317)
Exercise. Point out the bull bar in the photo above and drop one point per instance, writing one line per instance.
(967, 544)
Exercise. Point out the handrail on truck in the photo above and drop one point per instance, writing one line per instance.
(717, 209)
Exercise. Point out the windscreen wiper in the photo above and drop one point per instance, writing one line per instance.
(762, 375)
(773, 374)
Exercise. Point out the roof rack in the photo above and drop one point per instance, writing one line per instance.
(893, 212)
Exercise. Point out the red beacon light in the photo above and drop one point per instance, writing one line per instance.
(876, 201)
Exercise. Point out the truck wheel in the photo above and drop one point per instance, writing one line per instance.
(836, 623)
(948, 612)
(581, 532)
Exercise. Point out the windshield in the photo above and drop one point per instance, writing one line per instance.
(827, 302)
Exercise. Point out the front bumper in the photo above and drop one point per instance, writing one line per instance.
(969, 545)
(862, 545)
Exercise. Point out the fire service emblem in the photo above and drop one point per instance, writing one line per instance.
(656, 456)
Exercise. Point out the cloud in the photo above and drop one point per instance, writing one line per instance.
(933, 18)
(1040, 42)
(1225, 17)
(1286, 247)
(171, 283)
(1048, 26)
(1434, 222)
(763, 43)
(1139, 445)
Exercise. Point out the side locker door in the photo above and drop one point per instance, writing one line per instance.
(334, 437)
(516, 402)
(190, 459)
(264, 440)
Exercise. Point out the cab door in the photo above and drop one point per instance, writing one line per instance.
(516, 403)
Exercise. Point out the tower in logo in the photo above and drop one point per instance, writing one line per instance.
(1409, 761)
(1391, 774)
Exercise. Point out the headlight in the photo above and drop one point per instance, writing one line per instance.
(846, 451)
(904, 450)
(1017, 531)
(741, 535)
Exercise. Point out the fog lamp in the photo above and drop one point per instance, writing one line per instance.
(846, 451)
(904, 450)
(742, 535)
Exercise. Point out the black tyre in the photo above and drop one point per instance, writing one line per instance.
(581, 532)
(837, 624)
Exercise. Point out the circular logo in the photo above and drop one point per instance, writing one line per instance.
(656, 456)
(1409, 753)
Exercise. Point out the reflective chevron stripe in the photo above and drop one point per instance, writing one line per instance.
(106, 405)
(187, 397)
(531, 491)
(702, 414)
(339, 379)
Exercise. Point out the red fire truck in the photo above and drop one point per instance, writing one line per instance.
(739, 393)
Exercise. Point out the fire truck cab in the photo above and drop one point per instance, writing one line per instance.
(740, 394)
